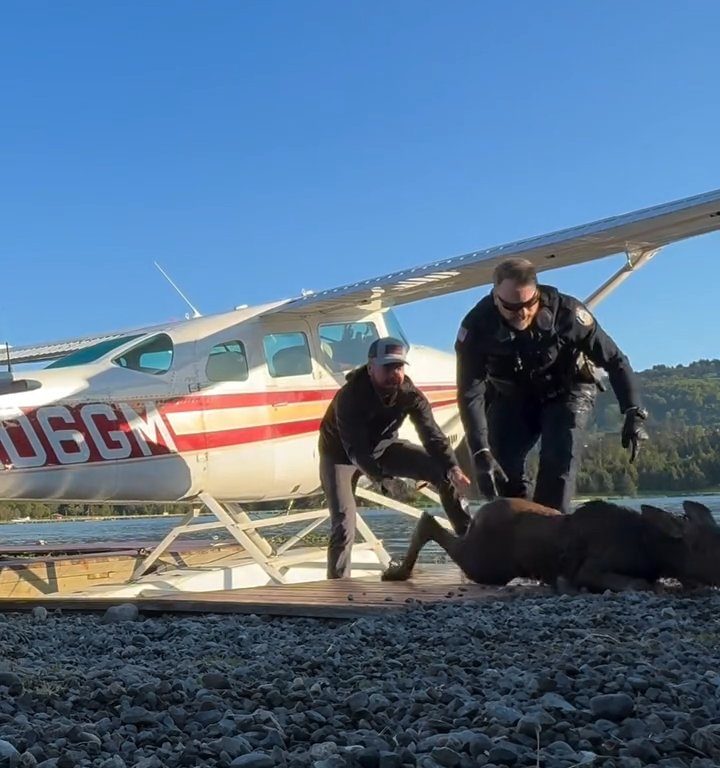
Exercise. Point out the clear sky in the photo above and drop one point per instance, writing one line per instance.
(255, 149)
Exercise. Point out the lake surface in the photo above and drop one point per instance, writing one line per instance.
(392, 527)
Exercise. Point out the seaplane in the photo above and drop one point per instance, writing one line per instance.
(221, 411)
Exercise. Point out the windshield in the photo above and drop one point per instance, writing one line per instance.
(92, 353)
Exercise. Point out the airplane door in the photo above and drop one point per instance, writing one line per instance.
(297, 399)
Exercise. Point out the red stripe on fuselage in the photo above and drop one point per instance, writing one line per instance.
(245, 435)
(249, 399)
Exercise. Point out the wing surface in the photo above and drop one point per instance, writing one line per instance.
(642, 230)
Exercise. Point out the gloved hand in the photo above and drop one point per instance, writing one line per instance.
(488, 473)
(395, 488)
(633, 431)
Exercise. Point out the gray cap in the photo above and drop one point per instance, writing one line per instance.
(387, 351)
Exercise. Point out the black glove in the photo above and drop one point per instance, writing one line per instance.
(633, 431)
(488, 473)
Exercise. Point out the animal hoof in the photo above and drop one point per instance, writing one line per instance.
(395, 573)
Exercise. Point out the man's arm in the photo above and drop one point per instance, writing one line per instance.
(471, 381)
(431, 436)
(605, 353)
(352, 427)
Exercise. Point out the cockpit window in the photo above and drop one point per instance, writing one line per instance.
(345, 345)
(152, 356)
(287, 354)
(92, 353)
(227, 362)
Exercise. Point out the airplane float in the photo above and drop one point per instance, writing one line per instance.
(224, 409)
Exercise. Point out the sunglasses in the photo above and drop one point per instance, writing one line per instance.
(510, 306)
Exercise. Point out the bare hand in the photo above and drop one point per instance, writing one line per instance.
(460, 481)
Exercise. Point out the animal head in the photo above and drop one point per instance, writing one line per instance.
(699, 557)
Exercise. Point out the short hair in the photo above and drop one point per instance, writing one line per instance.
(520, 271)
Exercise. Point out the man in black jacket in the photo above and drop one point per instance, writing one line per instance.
(358, 434)
(524, 373)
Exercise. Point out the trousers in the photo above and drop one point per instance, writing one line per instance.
(516, 423)
(339, 481)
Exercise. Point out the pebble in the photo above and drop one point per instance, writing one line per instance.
(621, 680)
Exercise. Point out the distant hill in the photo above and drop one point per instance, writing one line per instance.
(676, 397)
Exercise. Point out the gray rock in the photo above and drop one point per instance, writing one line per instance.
(555, 701)
(334, 761)
(707, 740)
(505, 753)
(643, 749)
(215, 681)
(390, 760)
(357, 701)
(504, 715)
(137, 716)
(12, 682)
(446, 757)
(561, 749)
(9, 756)
(323, 750)
(117, 614)
(612, 706)
(253, 760)
(39, 613)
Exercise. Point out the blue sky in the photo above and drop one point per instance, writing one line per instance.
(255, 149)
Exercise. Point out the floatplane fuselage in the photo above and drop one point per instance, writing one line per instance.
(228, 405)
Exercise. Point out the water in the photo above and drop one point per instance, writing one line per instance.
(393, 528)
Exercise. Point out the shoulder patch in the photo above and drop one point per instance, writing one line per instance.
(583, 316)
(462, 333)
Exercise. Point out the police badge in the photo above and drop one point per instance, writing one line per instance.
(583, 316)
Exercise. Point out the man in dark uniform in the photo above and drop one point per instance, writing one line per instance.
(358, 434)
(524, 373)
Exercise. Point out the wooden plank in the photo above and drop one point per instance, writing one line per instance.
(346, 598)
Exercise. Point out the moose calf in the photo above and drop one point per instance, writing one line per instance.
(600, 546)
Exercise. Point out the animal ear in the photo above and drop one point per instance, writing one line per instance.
(669, 524)
(699, 514)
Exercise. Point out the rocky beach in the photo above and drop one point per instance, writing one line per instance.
(626, 680)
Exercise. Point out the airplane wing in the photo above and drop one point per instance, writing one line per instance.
(632, 233)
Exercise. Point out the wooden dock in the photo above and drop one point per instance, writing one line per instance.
(348, 599)
(38, 572)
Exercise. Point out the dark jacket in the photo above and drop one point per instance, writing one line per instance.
(544, 362)
(357, 426)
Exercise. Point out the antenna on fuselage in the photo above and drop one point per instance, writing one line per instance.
(6, 378)
(182, 295)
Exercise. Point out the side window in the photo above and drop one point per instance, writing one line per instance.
(152, 356)
(227, 362)
(287, 354)
(345, 345)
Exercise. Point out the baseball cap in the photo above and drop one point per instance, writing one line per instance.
(388, 350)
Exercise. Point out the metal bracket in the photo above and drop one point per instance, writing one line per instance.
(635, 259)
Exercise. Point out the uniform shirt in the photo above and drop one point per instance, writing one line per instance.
(540, 363)
(358, 425)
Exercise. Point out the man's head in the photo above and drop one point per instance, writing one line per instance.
(386, 363)
(515, 292)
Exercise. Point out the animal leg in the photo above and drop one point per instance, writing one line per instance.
(427, 529)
